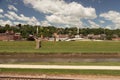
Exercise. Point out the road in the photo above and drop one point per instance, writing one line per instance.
(59, 67)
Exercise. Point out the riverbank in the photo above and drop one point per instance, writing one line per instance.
(58, 58)
(88, 59)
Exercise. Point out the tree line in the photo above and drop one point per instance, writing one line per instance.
(48, 31)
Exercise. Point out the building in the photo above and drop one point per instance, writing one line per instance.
(116, 39)
(9, 36)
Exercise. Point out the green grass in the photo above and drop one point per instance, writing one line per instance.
(61, 47)
(61, 71)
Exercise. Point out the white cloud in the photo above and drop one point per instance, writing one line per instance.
(28, 20)
(93, 24)
(1, 11)
(3, 22)
(60, 12)
(79, 25)
(13, 16)
(112, 16)
(45, 23)
(108, 27)
(61, 7)
(102, 22)
(1, 16)
(32, 20)
(45, 6)
(61, 19)
(16, 23)
(9, 15)
(11, 7)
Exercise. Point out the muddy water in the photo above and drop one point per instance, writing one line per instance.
(21, 57)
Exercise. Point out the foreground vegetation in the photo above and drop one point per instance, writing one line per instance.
(63, 71)
(61, 47)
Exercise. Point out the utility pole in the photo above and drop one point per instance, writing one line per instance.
(104, 33)
(37, 31)
(37, 39)
(78, 30)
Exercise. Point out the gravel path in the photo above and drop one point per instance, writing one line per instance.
(59, 67)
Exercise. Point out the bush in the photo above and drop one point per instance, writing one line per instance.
(30, 39)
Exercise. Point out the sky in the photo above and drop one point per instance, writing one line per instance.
(61, 13)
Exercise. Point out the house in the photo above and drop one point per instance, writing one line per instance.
(17, 36)
(60, 37)
(116, 39)
(96, 37)
(9, 36)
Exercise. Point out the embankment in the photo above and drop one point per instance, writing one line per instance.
(59, 57)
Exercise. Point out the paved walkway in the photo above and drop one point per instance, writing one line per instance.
(59, 67)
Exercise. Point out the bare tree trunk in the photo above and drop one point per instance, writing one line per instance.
(55, 37)
(38, 43)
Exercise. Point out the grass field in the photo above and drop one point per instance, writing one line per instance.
(61, 47)
(59, 71)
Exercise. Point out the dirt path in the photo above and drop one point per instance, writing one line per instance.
(60, 67)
